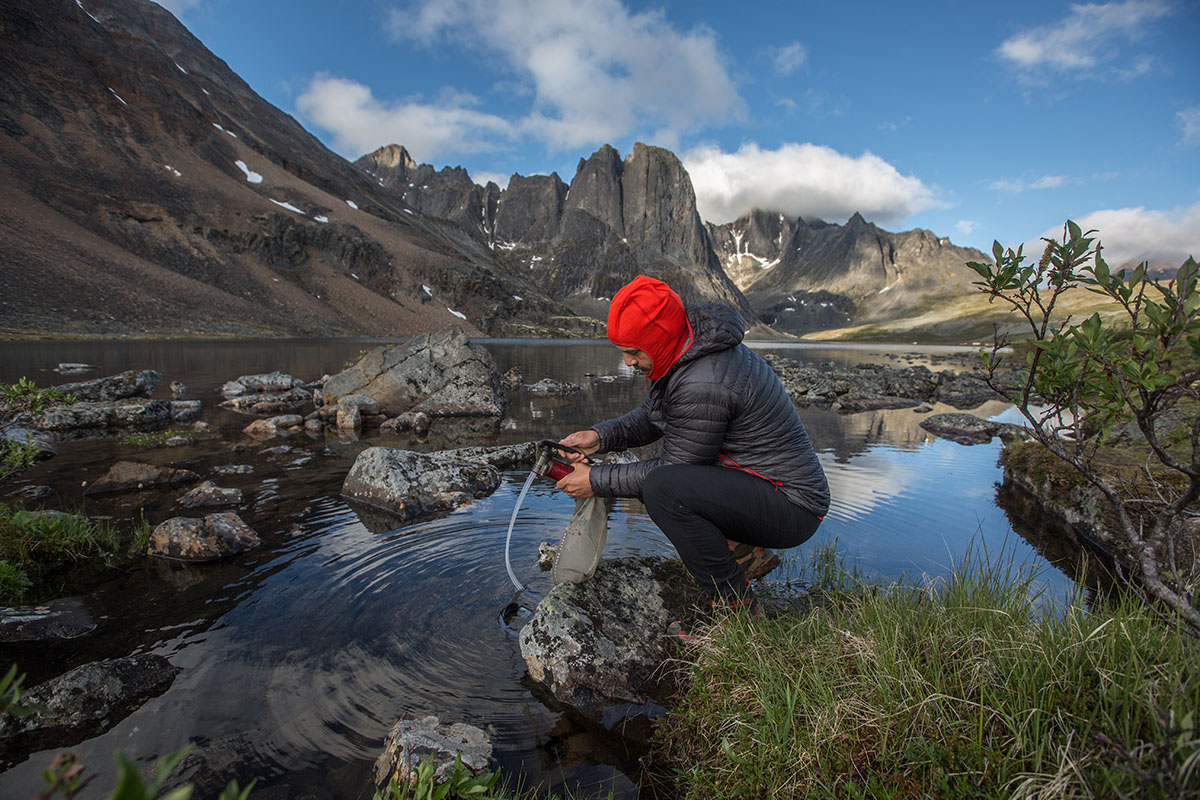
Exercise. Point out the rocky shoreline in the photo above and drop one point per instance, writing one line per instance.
(581, 655)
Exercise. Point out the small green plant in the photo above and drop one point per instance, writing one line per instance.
(31, 542)
(458, 783)
(16, 456)
(141, 536)
(24, 395)
(66, 776)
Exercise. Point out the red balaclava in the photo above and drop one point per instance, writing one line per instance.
(648, 315)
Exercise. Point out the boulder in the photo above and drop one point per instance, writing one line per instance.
(416, 421)
(65, 618)
(137, 413)
(268, 428)
(962, 428)
(349, 418)
(211, 495)
(441, 374)
(408, 484)
(603, 642)
(264, 383)
(84, 702)
(549, 387)
(131, 383)
(130, 475)
(411, 741)
(216, 536)
(365, 403)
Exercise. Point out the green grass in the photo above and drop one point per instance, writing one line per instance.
(32, 544)
(155, 438)
(959, 688)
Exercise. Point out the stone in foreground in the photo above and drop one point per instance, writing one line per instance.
(189, 539)
(408, 484)
(413, 740)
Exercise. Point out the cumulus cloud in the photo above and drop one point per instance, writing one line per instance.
(804, 180)
(598, 71)
(789, 58)
(497, 178)
(359, 122)
(1189, 119)
(1087, 36)
(966, 226)
(1133, 235)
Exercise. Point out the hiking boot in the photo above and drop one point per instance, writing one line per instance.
(694, 628)
(754, 561)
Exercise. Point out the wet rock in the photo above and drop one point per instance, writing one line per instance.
(417, 421)
(349, 418)
(216, 536)
(268, 428)
(184, 411)
(179, 441)
(441, 374)
(178, 390)
(66, 618)
(512, 379)
(364, 403)
(69, 367)
(127, 476)
(962, 428)
(210, 495)
(408, 484)
(201, 427)
(872, 402)
(314, 426)
(269, 402)
(233, 469)
(549, 387)
(278, 450)
(136, 413)
(42, 443)
(412, 741)
(131, 383)
(508, 456)
(33, 492)
(602, 642)
(263, 383)
(84, 702)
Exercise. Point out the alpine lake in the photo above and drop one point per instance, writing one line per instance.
(299, 656)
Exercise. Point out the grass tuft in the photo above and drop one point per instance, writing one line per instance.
(33, 542)
(961, 688)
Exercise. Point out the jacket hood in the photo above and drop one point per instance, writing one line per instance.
(648, 315)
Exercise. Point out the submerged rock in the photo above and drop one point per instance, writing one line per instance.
(65, 618)
(84, 702)
(127, 476)
(216, 536)
(411, 741)
(184, 411)
(441, 374)
(209, 494)
(409, 484)
(42, 444)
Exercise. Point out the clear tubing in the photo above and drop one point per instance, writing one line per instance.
(508, 539)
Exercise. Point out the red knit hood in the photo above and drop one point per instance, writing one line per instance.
(648, 315)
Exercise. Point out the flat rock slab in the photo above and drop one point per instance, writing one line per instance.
(601, 642)
(131, 383)
(442, 374)
(962, 428)
(413, 740)
(84, 702)
(213, 537)
(125, 476)
(136, 413)
(407, 484)
(65, 618)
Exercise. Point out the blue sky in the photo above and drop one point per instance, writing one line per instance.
(978, 121)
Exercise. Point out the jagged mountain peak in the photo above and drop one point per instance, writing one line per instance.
(391, 156)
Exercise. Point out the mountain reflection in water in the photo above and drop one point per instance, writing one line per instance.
(298, 657)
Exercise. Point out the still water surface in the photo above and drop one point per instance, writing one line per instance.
(298, 657)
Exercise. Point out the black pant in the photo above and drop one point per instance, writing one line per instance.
(699, 507)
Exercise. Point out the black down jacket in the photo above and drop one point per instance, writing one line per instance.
(719, 404)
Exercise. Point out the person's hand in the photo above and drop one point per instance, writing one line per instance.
(578, 484)
(587, 442)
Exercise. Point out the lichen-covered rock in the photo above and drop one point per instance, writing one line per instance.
(417, 421)
(408, 484)
(84, 702)
(600, 642)
(184, 411)
(441, 374)
(263, 383)
(873, 402)
(349, 418)
(267, 428)
(505, 456)
(131, 383)
(413, 740)
(549, 387)
(137, 413)
(188, 539)
(208, 494)
(127, 476)
(366, 404)
(962, 428)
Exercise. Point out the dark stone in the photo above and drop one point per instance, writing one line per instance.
(867, 402)
(408, 484)
(210, 495)
(65, 618)
(962, 428)
(216, 536)
(129, 476)
(132, 383)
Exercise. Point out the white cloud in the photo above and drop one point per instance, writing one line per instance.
(360, 123)
(1133, 235)
(497, 178)
(789, 58)
(1189, 119)
(966, 226)
(804, 180)
(1088, 35)
(1021, 185)
(599, 72)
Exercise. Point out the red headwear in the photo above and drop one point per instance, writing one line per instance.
(648, 315)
